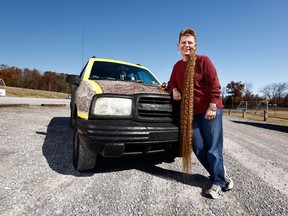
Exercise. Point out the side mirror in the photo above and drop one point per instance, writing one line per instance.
(164, 86)
(73, 79)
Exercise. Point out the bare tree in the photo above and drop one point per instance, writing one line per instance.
(3, 66)
(275, 92)
(247, 92)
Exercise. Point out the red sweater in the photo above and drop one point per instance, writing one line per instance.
(206, 83)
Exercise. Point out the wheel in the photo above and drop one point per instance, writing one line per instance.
(72, 118)
(83, 159)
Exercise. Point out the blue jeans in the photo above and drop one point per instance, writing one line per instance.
(208, 145)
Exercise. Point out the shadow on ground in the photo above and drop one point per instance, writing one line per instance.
(279, 128)
(57, 149)
(149, 164)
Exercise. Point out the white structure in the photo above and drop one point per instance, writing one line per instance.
(2, 83)
(2, 92)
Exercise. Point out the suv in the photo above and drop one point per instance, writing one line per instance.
(119, 108)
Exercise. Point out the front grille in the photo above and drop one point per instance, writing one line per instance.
(155, 107)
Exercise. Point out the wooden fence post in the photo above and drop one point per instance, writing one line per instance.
(243, 113)
(265, 115)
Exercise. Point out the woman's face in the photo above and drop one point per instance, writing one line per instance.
(187, 45)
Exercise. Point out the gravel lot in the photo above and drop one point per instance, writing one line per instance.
(37, 177)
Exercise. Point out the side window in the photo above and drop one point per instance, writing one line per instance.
(105, 71)
(82, 72)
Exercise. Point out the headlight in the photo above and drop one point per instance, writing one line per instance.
(113, 106)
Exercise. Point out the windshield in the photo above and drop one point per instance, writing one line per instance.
(116, 71)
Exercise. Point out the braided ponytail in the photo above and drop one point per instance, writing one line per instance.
(186, 118)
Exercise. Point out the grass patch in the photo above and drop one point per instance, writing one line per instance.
(277, 116)
(22, 92)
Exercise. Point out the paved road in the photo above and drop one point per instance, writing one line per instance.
(32, 101)
(37, 177)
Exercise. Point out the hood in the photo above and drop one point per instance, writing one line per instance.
(128, 88)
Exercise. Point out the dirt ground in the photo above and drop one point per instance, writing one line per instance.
(37, 177)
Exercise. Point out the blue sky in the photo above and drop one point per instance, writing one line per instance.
(245, 39)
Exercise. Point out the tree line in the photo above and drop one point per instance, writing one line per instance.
(33, 79)
(275, 94)
(233, 94)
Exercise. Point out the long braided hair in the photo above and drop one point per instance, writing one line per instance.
(186, 118)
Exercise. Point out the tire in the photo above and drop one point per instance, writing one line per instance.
(83, 159)
(72, 118)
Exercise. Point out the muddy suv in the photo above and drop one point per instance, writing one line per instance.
(119, 108)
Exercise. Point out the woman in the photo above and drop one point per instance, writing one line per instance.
(195, 83)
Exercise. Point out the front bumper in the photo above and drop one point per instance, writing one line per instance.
(114, 138)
